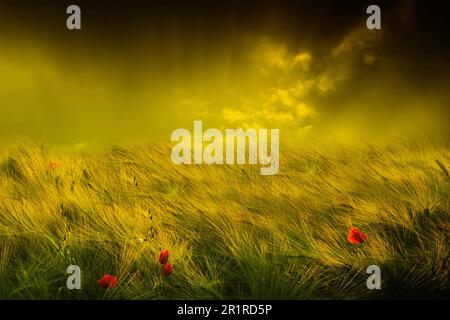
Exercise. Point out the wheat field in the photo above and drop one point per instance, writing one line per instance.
(231, 233)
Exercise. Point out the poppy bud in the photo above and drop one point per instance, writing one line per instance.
(164, 256)
(355, 236)
(167, 269)
(108, 281)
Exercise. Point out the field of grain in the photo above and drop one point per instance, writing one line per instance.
(231, 232)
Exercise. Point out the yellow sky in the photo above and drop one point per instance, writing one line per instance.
(345, 86)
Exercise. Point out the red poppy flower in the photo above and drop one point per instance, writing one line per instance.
(52, 165)
(108, 281)
(167, 269)
(355, 236)
(164, 256)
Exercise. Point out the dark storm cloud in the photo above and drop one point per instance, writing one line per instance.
(412, 27)
(135, 63)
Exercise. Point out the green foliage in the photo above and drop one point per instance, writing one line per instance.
(231, 232)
